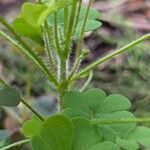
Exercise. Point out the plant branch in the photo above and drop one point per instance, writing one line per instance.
(33, 110)
(28, 52)
(66, 16)
(70, 29)
(12, 31)
(83, 88)
(111, 55)
(25, 103)
(78, 52)
(46, 33)
(120, 121)
(16, 144)
(77, 17)
(56, 34)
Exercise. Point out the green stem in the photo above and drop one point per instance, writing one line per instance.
(12, 31)
(34, 111)
(46, 33)
(66, 15)
(77, 17)
(16, 144)
(120, 121)
(68, 37)
(111, 55)
(78, 52)
(31, 54)
(87, 82)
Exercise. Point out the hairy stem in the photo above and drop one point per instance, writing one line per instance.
(66, 16)
(16, 144)
(68, 37)
(78, 52)
(46, 33)
(119, 121)
(111, 55)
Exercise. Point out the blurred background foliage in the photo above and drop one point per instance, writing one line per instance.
(128, 74)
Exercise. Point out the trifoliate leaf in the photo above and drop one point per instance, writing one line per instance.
(9, 97)
(93, 104)
(88, 102)
(85, 135)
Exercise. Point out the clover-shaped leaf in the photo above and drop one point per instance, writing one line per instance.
(94, 103)
(88, 102)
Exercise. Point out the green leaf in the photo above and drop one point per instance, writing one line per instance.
(127, 144)
(87, 102)
(141, 135)
(39, 144)
(90, 26)
(112, 130)
(105, 146)
(57, 132)
(9, 97)
(31, 12)
(85, 135)
(94, 103)
(93, 15)
(51, 8)
(23, 28)
(115, 102)
(32, 127)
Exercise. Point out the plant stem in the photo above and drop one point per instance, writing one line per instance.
(70, 30)
(120, 121)
(111, 55)
(56, 34)
(46, 33)
(28, 52)
(33, 110)
(16, 144)
(66, 16)
(77, 17)
(78, 52)
(87, 82)
(12, 31)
